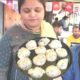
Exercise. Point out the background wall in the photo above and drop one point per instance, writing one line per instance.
(10, 17)
(1, 19)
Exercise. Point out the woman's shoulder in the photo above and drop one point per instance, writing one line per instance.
(46, 23)
(12, 29)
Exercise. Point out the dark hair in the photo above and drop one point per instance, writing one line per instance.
(56, 24)
(65, 17)
(76, 26)
(21, 2)
(56, 19)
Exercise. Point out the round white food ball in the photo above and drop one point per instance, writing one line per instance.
(43, 41)
(23, 52)
(62, 64)
(61, 52)
(58, 78)
(24, 63)
(40, 50)
(39, 60)
(51, 55)
(37, 72)
(31, 44)
(55, 44)
(53, 71)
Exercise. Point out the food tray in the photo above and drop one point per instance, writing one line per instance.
(48, 63)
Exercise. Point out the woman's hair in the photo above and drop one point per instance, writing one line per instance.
(21, 2)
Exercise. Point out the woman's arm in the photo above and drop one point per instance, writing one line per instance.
(5, 56)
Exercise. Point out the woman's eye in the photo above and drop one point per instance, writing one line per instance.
(37, 10)
(27, 11)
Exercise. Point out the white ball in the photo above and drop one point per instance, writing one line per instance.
(24, 63)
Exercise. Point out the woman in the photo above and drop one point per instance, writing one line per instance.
(30, 26)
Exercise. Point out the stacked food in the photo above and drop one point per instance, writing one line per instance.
(44, 57)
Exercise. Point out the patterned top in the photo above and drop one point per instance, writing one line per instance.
(9, 44)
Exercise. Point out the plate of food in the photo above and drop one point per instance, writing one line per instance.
(44, 58)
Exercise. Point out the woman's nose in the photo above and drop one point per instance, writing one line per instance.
(32, 13)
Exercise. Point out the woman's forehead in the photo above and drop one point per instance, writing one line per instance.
(32, 4)
(31, 1)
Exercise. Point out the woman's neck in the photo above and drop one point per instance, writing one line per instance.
(34, 30)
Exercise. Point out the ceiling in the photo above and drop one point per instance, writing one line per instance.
(66, 0)
(73, 0)
(55, 0)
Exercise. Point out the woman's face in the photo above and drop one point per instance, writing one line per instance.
(32, 13)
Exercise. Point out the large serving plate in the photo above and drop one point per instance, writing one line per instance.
(47, 63)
